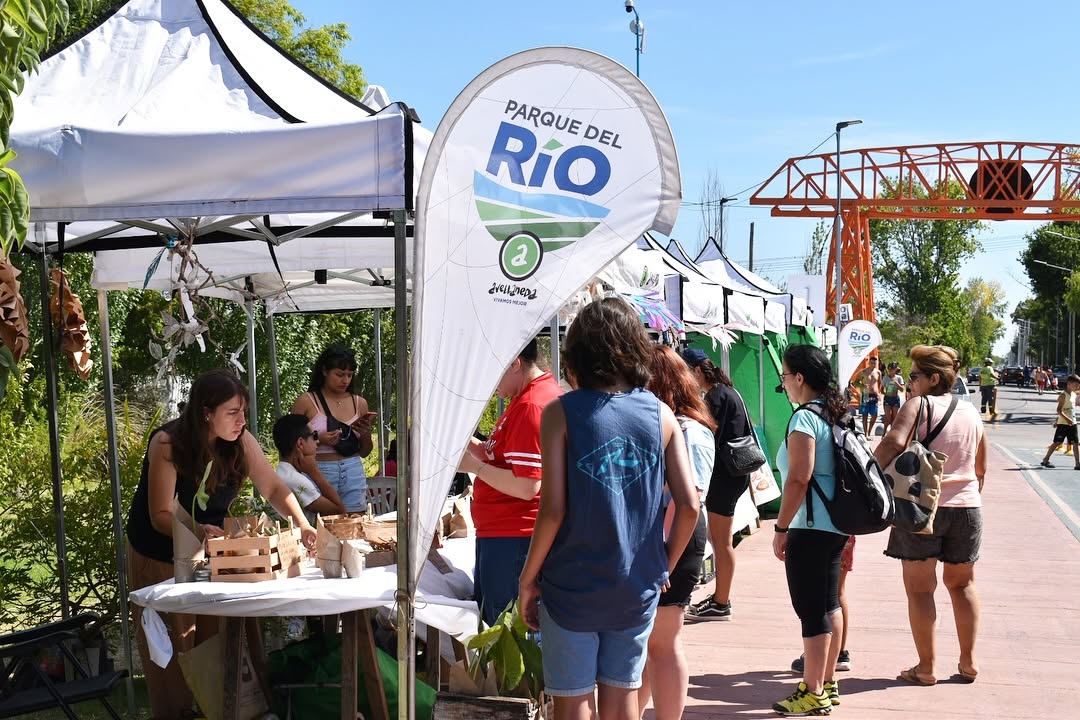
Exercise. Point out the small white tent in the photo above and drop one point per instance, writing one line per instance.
(177, 118)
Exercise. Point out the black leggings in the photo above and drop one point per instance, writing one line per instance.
(812, 562)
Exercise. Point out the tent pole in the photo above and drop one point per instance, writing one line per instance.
(275, 376)
(54, 433)
(761, 380)
(406, 628)
(380, 421)
(253, 388)
(114, 482)
(555, 369)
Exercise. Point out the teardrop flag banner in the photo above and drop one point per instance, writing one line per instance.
(547, 166)
(858, 339)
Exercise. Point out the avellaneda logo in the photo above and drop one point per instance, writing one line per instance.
(528, 223)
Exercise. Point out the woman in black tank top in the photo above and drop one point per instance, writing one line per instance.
(211, 428)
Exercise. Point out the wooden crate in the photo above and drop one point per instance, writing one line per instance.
(451, 706)
(254, 559)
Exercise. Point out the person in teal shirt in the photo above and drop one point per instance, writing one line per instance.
(811, 552)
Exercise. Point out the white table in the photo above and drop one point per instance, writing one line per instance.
(439, 604)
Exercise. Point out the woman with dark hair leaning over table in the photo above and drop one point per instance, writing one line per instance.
(210, 430)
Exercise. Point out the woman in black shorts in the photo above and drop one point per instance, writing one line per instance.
(729, 412)
(667, 674)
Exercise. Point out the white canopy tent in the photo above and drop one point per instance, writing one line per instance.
(177, 118)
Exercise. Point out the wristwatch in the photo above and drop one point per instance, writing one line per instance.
(777, 528)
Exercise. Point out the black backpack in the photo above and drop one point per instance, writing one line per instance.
(864, 500)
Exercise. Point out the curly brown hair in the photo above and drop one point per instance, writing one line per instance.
(189, 435)
(673, 382)
(607, 343)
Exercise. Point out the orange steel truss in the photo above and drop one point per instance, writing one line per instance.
(997, 181)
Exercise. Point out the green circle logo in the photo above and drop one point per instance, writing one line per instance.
(520, 256)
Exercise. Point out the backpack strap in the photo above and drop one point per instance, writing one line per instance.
(812, 486)
(932, 435)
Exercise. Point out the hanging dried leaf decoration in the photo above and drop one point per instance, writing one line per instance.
(14, 333)
(74, 334)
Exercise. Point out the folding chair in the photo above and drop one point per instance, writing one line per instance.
(25, 687)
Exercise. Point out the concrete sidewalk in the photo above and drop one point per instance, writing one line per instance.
(1028, 578)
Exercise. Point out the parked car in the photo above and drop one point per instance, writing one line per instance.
(1060, 372)
(1013, 375)
(961, 389)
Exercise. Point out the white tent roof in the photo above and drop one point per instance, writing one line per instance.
(178, 114)
(705, 302)
(177, 108)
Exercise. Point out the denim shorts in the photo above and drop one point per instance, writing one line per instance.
(574, 662)
(956, 539)
(347, 477)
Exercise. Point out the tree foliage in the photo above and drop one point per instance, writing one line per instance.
(917, 262)
(1053, 244)
(814, 262)
(317, 47)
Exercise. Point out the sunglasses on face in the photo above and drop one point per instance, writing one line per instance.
(315, 435)
(916, 375)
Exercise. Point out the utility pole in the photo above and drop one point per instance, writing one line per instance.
(751, 268)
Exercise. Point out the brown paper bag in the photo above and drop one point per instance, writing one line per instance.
(327, 550)
(461, 524)
(202, 668)
(188, 550)
(462, 682)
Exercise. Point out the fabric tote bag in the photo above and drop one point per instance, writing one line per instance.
(915, 475)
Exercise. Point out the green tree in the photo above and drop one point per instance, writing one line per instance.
(814, 262)
(984, 308)
(317, 47)
(917, 262)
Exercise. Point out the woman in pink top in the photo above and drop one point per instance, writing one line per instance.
(343, 422)
(958, 524)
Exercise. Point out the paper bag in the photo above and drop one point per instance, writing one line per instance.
(763, 485)
(462, 682)
(202, 668)
(327, 551)
(246, 525)
(461, 524)
(188, 550)
(352, 556)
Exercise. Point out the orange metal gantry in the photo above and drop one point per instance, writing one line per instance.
(988, 181)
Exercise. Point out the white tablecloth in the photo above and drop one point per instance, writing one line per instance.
(439, 600)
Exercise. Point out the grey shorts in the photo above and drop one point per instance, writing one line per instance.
(956, 539)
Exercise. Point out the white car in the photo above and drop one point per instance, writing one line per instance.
(960, 389)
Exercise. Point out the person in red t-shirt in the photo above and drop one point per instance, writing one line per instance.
(506, 494)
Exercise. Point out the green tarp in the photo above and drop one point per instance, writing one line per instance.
(754, 364)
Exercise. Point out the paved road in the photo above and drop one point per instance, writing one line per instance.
(1022, 432)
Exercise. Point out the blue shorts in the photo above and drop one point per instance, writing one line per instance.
(575, 661)
(892, 401)
(347, 477)
(869, 408)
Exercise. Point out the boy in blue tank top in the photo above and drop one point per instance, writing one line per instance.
(598, 561)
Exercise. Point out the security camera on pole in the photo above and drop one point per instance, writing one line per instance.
(638, 28)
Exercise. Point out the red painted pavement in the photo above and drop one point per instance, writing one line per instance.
(1028, 578)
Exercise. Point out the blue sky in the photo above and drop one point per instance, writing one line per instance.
(747, 85)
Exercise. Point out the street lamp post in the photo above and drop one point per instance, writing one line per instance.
(724, 201)
(638, 28)
(1071, 362)
(837, 236)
